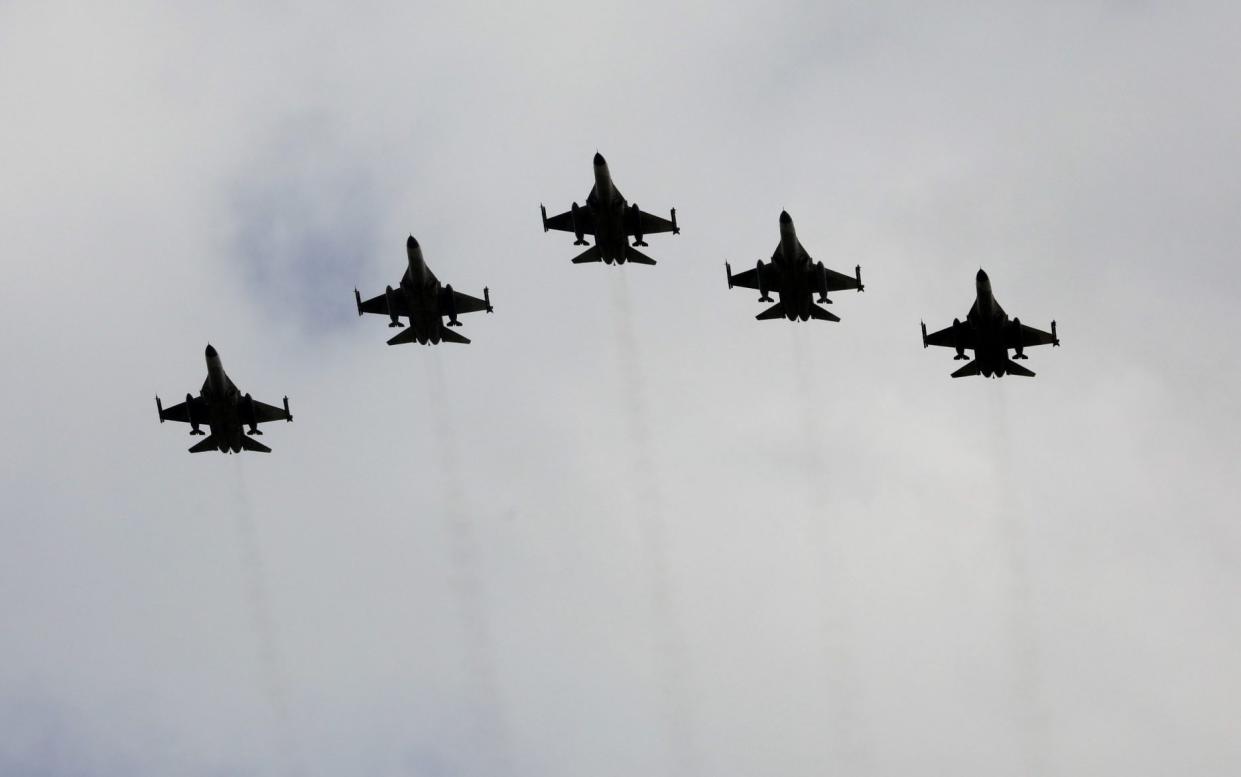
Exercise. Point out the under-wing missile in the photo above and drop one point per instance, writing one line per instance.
(1019, 348)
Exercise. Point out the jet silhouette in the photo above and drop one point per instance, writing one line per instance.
(422, 299)
(610, 220)
(796, 277)
(989, 333)
(225, 410)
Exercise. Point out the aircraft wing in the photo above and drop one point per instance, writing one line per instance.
(379, 305)
(564, 221)
(947, 337)
(1027, 336)
(749, 278)
(464, 303)
(181, 411)
(839, 281)
(265, 413)
(650, 224)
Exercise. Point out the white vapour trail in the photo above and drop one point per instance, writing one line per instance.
(839, 670)
(671, 666)
(472, 605)
(1029, 720)
(254, 572)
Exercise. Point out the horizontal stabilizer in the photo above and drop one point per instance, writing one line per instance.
(967, 370)
(449, 335)
(821, 314)
(1013, 368)
(207, 443)
(775, 311)
(408, 335)
(637, 257)
(589, 255)
(251, 444)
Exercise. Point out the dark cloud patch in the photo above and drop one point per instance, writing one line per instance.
(304, 212)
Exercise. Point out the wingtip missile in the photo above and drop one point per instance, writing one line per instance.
(288, 417)
(924, 342)
(487, 299)
(159, 406)
(543, 211)
(676, 230)
(728, 270)
(857, 273)
(357, 296)
(1055, 338)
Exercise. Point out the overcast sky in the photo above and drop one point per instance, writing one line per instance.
(629, 530)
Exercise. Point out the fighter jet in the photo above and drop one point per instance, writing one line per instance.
(425, 302)
(225, 410)
(795, 277)
(988, 331)
(611, 220)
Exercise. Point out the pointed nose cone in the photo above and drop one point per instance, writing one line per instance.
(599, 160)
(211, 354)
(411, 243)
(785, 218)
(981, 277)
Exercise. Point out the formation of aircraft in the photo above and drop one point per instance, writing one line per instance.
(611, 220)
(990, 334)
(225, 411)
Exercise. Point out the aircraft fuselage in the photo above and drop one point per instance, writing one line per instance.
(989, 322)
(223, 405)
(611, 238)
(422, 295)
(795, 294)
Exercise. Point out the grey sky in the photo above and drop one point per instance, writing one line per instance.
(822, 556)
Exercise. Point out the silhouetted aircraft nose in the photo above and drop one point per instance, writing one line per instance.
(599, 160)
(411, 243)
(210, 351)
(982, 276)
(785, 218)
